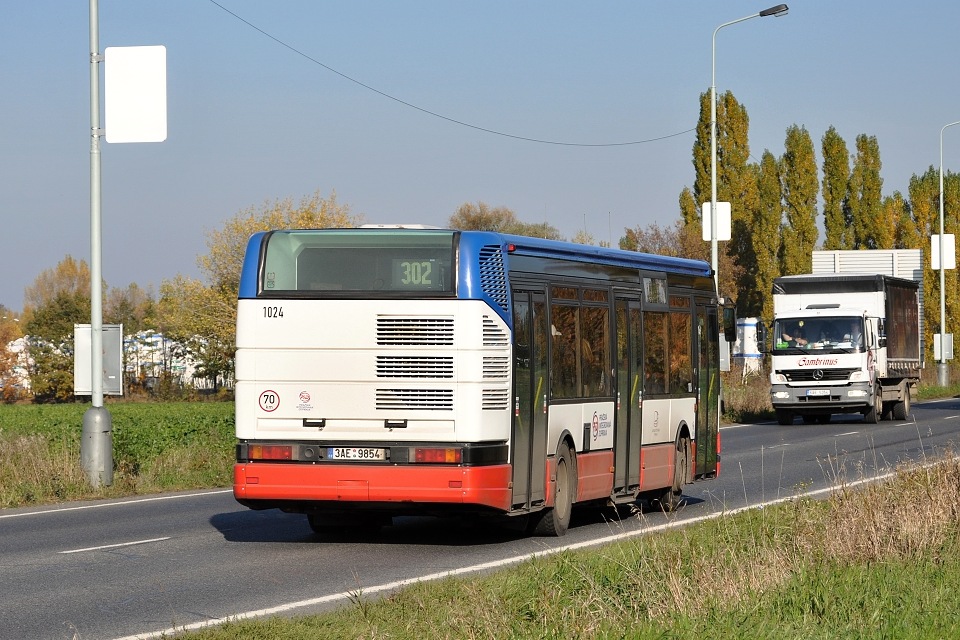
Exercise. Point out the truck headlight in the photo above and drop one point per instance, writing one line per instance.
(857, 376)
(781, 395)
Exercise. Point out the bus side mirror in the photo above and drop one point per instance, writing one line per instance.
(730, 324)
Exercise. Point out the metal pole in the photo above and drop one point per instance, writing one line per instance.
(943, 371)
(96, 444)
(779, 10)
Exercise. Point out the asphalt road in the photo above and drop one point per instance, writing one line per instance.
(106, 570)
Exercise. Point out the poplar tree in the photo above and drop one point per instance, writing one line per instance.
(798, 172)
(836, 174)
(924, 193)
(734, 183)
(888, 224)
(766, 234)
(864, 193)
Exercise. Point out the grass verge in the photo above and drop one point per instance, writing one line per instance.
(878, 562)
(157, 447)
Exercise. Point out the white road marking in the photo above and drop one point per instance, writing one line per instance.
(101, 505)
(114, 546)
(848, 433)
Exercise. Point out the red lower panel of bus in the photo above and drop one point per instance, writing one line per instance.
(488, 485)
(656, 466)
(594, 475)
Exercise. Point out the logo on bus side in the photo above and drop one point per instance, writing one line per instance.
(269, 401)
(600, 426)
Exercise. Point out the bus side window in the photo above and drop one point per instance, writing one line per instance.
(563, 336)
(655, 352)
(594, 351)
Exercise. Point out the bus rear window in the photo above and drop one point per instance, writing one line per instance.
(396, 262)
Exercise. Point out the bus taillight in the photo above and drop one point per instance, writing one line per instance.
(271, 452)
(438, 455)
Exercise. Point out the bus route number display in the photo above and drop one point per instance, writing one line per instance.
(416, 274)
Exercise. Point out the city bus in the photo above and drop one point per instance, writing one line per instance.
(398, 370)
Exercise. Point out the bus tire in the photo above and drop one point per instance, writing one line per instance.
(670, 499)
(555, 520)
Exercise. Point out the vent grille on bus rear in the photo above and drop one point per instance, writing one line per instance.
(493, 275)
(496, 367)
(414, 331)
(414, 367)
(415, 399)
(493, 335)
(495, 399)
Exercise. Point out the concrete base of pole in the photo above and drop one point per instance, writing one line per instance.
(96, 447)
(943, 374)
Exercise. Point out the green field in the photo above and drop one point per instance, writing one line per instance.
(157, 447)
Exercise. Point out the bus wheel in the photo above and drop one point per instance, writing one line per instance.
(670, 499)
(554, 521)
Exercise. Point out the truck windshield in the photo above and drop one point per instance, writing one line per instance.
(820, 333)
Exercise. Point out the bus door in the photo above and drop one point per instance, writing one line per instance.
(528, 447)
(708, 388)
(629, 392)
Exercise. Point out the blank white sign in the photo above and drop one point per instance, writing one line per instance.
(135, 94)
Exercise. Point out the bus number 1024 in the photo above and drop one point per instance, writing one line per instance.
(273, 312)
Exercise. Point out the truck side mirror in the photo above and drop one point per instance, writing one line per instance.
(762, 338)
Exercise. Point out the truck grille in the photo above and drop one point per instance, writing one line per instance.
(817, 375)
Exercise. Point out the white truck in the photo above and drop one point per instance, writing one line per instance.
(844, 343)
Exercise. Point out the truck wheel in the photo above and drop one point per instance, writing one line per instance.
(784, 417)
(901, 409)
(872, 415)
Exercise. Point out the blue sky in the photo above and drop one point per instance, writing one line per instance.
(251, 121)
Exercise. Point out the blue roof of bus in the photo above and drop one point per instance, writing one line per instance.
(522, 245)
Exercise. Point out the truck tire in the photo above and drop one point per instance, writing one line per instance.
(872, 414)
(784, 416)
(901, 408)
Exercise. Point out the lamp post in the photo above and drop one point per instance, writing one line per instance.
(943, 373)
(777, 11)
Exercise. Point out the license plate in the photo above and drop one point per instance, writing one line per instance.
(356, 453)
(818, 392)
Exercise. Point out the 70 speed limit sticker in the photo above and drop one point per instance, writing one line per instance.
(269, 401)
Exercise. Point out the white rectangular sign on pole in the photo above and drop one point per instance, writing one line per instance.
(112, 359)
(135, 94)
(723, 221)
(949, 252)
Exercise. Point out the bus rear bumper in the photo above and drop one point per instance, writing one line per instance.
(264, 485)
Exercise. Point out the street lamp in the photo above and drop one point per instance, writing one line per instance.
(777, 11)
(943, 373)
